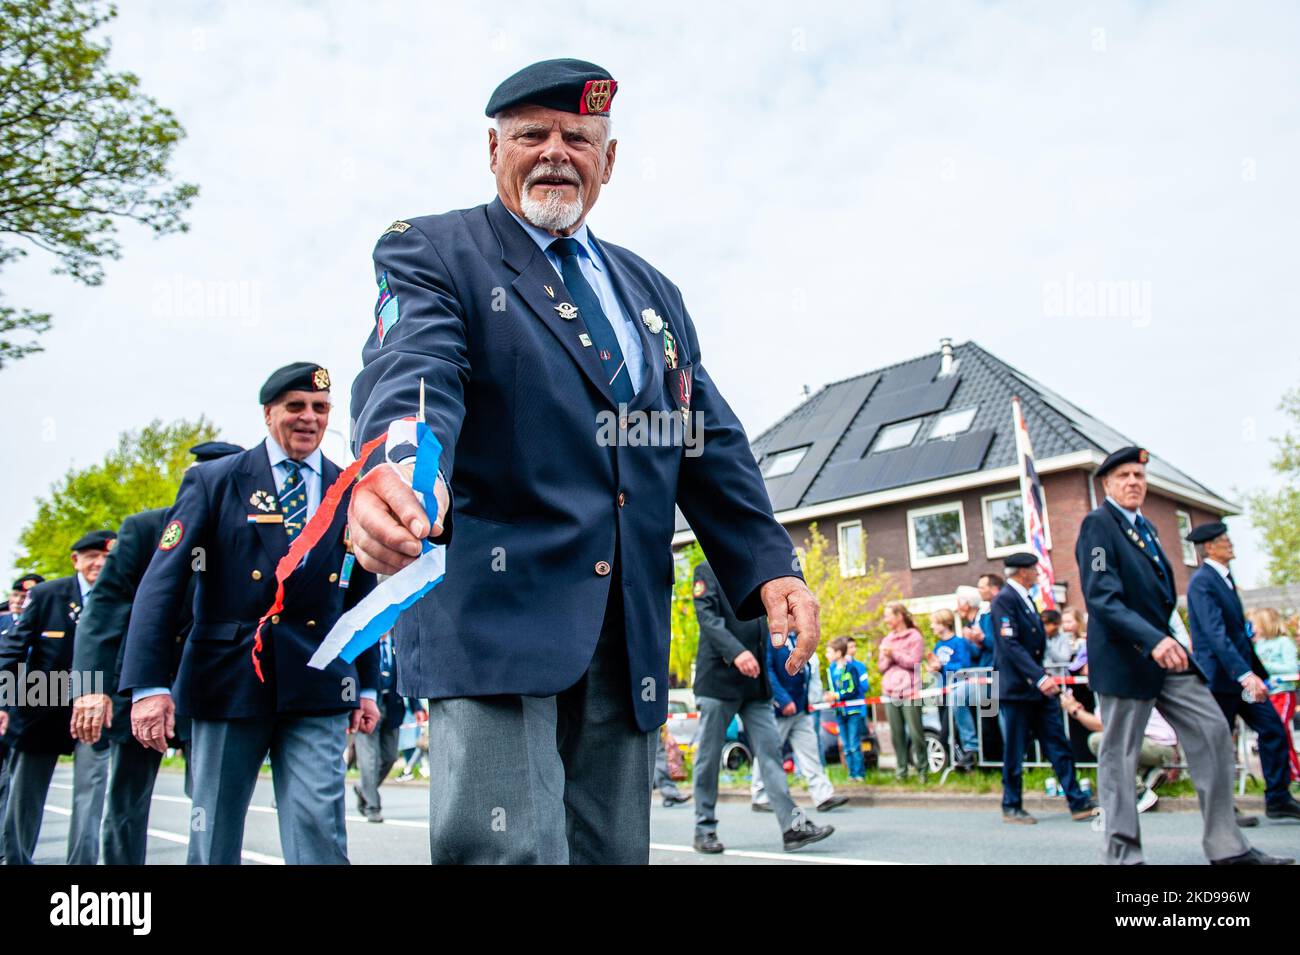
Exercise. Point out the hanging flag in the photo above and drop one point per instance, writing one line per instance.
(1035, 514)
(362, 626)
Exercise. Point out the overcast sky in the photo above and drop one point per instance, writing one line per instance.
(833, 186)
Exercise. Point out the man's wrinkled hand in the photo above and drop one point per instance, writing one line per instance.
(791, 606)
(91, 715)
(365, 717)
(1170, 655)
(1255, 687)
(386, 520)
(747, 664)
(153, 719)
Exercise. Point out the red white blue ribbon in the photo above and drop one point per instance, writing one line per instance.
(362, 626)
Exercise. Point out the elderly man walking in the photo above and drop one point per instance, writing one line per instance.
(1138, 657)
(548, 358)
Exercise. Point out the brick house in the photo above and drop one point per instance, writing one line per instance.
(921, 458)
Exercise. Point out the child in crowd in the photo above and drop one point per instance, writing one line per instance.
(847, 679)
(952, 654)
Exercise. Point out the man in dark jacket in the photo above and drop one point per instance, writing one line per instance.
(1138, 658)
(1223, 650)
(42, 643)
(731, 679)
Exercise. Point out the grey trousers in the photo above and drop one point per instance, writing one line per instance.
(1186, 703)
(133, 770)
(29, 784)
(307, 775)
(376, 754)
(552, 780)
(907, 732)
(89, 783)
(760, 726)
(798, 731)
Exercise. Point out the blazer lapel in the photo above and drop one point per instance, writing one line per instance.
(522, 254)
(254, 475)
(1159, 562)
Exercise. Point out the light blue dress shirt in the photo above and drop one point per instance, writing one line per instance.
(1131, 515)
(595, 271)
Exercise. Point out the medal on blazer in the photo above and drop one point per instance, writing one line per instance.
(263, 501)
(684, 392)
(550, 292)
(568, 311)
(670, 348)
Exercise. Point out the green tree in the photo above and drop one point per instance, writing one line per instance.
(1277, 513)
(684, 627)
(143, 472)
(850, 606)
(81, 149)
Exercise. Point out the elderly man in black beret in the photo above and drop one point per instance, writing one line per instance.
(42, 645)
(547, 357)
(1139, 657)
(250, 696)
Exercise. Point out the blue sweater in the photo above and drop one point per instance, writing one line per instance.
(786, 688)
(955, 654)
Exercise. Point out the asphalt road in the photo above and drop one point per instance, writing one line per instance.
(864, 836)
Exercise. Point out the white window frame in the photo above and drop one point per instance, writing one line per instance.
(992, 551)
(845, 570)
(803, 453)
(917, 422)
(973, 409)
(946, 560)
(1188, 548)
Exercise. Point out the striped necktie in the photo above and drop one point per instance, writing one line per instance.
(1148, 536)
(293, 498)
(593, 316)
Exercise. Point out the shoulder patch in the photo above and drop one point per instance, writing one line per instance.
(399, 227)
(171, 535)
(387, 313)
(700, 588)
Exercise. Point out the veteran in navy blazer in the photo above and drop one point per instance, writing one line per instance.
(1028, 702)
(41, 643)
(1138, 658)
(1225, 653)
(233, 520)
(554, 363)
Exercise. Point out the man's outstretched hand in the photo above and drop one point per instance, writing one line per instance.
(791, 606)
(386, 520)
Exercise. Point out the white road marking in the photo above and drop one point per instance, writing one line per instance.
(775, 856)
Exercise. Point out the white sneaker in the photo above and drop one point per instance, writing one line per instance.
(1146, 799)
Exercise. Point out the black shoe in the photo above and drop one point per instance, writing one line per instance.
(833, 803)
(677, 800)
(965, 761)
(361, 800)
(1086, 811)
(760, 807)
(708, 844)
(1018, 817)
(1284, 810)
(804, 833)
(1244, 821)
(1253, 857)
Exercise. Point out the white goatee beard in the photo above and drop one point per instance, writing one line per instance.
(553, 213)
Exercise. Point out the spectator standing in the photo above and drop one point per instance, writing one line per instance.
(1277, 652)
(952, 655)
(899, 662)
(1074, 624)
(1060, 649)
(848, 680)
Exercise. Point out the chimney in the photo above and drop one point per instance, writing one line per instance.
(945, 360)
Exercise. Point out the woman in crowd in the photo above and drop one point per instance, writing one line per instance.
(899, 662)
(1277, 651)
(1074, 624)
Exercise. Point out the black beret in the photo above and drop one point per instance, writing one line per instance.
(95, 540)
(27, 581)
(1127, 455)
(1021, 559)
(574, 86)
(300, 376)
(1207, 532)
(211, 450)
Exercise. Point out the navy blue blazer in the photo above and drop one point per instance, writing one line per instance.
(544, 503)
(1130, 595)
(1223, 651)
(234, 562)
(43, 639)
(1018, 650)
